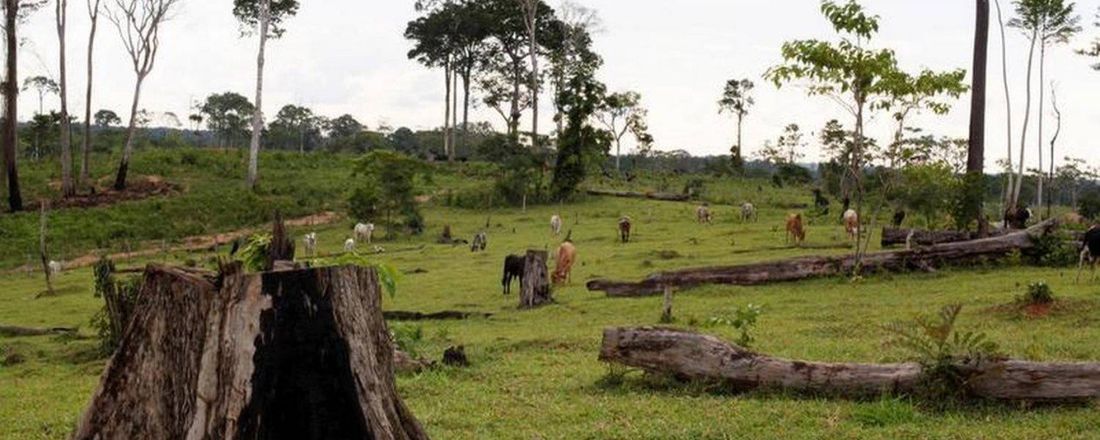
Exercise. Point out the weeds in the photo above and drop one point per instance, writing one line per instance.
(744, 320)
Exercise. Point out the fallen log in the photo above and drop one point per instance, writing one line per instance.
(399, 315)
(651, 195)
(294, 354)
(922, 237)
(694, 356)
(920, 258)
(11, 330)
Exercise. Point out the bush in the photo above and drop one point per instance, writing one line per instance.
(1037, 294)
(1088, 205)
(744, 320)
(119, 298)
(1050, 250)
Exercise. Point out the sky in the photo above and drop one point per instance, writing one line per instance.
(349, 56)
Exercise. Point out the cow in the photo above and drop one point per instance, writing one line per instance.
(55, 268)
(311, 243)
(795, 230)
(748, 212)
(1017, 218)
(481, 240)
(514, 266)
(1073, 218)
(851, 224)
(364, 232)
(624, 228)
(563, 270)
(1090, 251)
(702, 214)
(349, 245)
(555, 225)
(899, 217)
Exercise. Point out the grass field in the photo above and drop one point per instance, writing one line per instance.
(535, 373)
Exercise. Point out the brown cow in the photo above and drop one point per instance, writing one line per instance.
(624, 228)
(563, 270)
(702, 214)
(795, 229)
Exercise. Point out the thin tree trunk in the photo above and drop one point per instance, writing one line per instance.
(740, 146)
(1023, 129)
(532, 31)
(454, 115)
(11, 99)
(258, 113)
(975, 160)
(131, 131)
(43, 252)
(85, 163)
(1042, 115)
(1053, 141)
(447, 112)
(68, 189)
(465, 107)
(517, 80)
(1010, 184)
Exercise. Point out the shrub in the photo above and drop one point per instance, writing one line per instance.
(1037, 293)
(744, 320)
(1050, 250)
(1088, 205)
(408, 338)
(119, 298)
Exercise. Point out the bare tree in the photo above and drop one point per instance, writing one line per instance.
(85, 151)
(1009, 183)
(258, 115)
(138, 23)
(530, 20)
(68, 189)
(15, 11)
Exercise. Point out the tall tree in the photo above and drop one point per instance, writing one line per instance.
(1010, 174)
(578, 24)
(1057, 24)
(622, 113)
(433, 36)
(737, 100)
(1028, 20)
(910, 94)
(86, 148)
(266, 17)
(974, 185)
(139, 23)
(1093, 50)
(43, 86)
(530, 21)
(15, 11)
(227, 115)
(68, 189)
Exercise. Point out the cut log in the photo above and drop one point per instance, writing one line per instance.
(535, 284)
(694, 356)
(922, 258)
(921, 237)
(398, 315)
(11, 330)
(666, 197)
(297, 354)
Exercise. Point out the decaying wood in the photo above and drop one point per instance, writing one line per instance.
(281, 248)
(398, 315)
(695, 356)
(667, 197)
(535, 284)
(920, 258)
(922, 237)
(12, 330)
(296, 354)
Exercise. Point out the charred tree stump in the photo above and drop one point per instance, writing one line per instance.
(535, 284)
(694, 356)
(281, 248)
(923, 258)
(297, 355)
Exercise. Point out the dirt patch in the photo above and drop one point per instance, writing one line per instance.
(1057, 308)
(137, 188)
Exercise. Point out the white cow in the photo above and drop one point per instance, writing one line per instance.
(311, 244)
(349, 245)
(55, 268)
(851, 223)
(364, 231)
(555, 224)
(748, 212)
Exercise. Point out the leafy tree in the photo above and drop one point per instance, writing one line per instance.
(345, 126)
(928, 191)
(1093, 50)
(106, 118)
(387, 185)
(15, 13)
(621, 113)
(737, 100)
(43, 86)
(787, 149)
(927, 91)
(580, 144)
(266, 17)
(1059, 25)
(295, 126)
(405, 141)
(227, 115)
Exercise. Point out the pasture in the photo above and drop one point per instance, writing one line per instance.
(534, 374)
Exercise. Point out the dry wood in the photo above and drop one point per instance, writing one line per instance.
(923, 258)
(667, 197)
(535, 284)
(398, 315)
(297, 354)
(695, 356)
(921, 237)
(12, 330)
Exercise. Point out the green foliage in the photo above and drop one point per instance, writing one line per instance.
(1088, 204)
(945, 355)
(742, 319)
(928, 190)
(119, 298)
(408, 338)
(1051, 250)
(388, 276)
(1038, 293)
(228, 115)
(967, 203)
(253, 255)
(248, 13)
(388, 180)
(887, 411)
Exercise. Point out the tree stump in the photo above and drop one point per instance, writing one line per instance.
(299, 354)
(535, 284)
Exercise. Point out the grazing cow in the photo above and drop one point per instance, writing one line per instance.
(1017, 219)
(1090, 251)
(311, 243)
(363, 232)
(702, 214)
(748, 212)
(349, 245)
(55, 268)
(624, 228)
(899, 217)
(481, 240)
(851, 223)
(514, 266)
(555, 225)
(563, 270)
(794, 229)
(1073, 218)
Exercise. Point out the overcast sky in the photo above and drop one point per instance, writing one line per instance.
(348, 56)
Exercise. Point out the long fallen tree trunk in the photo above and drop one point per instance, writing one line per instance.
(667, 197)
(694, 356)
(923, 237)
(922, 258)
(400, 315)
(301, 354)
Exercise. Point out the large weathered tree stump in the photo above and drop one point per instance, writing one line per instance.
(535, 284)
(922, 258)
(695, 356)
(289, 355)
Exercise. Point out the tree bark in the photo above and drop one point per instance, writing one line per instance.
(131, 131)
(801, 268)
(535, 284)
(1041, 116)
(11, 103)
(899, 236)
(1009, 184)
(975, 160)
(695, 356)
(68, 188)
(86, 149)
(258, 113)
(299, 354)
(447, 113)
(1023, 130)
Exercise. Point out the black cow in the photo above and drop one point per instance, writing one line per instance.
(514, 265)
(1017, 219)
(1090, 250)
(899, 217)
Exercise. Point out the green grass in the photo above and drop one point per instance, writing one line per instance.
(534, 374)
